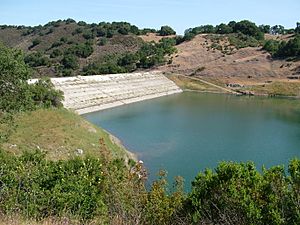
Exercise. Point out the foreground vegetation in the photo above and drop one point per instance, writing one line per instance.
(106, 191)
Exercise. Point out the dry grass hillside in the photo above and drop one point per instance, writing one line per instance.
(212, 58)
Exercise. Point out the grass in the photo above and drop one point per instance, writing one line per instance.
(277, 88)
(58, 132)
(189, 84)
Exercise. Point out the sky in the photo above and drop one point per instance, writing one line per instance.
(179, 14)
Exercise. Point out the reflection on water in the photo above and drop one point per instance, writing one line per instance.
(188, 132)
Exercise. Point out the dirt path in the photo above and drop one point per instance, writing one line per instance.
(211, 84)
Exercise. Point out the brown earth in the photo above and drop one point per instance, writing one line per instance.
(154, 37)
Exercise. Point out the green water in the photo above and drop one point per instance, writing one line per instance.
(188, 132)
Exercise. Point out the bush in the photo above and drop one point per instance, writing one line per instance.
(102, 42)
(35, 42)
(78, 30)
(236, 193)
(36, 59)
(271, 46)
(165, 31)
(14, 89)
(81, 50)
(38, 188)
(16, 93)
(242, 41)
(70, 61)
(284, 49)
(88, 35)
(55, 53)
(44, 94)
(56, 44)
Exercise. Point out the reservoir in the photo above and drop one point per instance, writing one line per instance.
(188, 132)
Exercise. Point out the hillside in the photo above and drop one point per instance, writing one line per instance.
(213, 58)
(224, 57)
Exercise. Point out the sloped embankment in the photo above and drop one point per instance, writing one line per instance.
(86, 94)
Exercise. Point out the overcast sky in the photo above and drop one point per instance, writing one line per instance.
(180, 14)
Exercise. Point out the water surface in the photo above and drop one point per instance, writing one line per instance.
(186, 133)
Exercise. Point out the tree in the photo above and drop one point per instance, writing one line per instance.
(248, 28)
(165, 31)
(36, 59)
(265, 28)
(224, 29)
(14, 91)
(271, 46)
(297, 29)
(277, 29)
(70, 62)
(35, 42)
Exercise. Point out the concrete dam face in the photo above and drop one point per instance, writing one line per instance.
(86, 94)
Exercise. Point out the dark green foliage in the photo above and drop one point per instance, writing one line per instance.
(78, 30)
(82, 50)
(44, 94)
(70, 61)
(271, 46)
(102, 42)
(70, 20)
(236, 193)
(284, 49)
(223, 29)
(248, 28)
(35, 42)
(166, 30)
(55, 53)
(244, 28)
(290, 48)
(14, 90)
(297, 29)
(278, 29)
(36, 59)
(16, 93)
(37, 188)
(129, 61)
(242, 41)
(146, 31)
(56, 44)
(81, 23)
(265, 28)
(88, 35)
(149, 55)
(103, 68)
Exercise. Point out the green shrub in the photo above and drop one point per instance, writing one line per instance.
(241, 40)
(271, 46)
(70, 61)
(165, 31)
(14, 89)
(236, 193)
(36, 59)
(44, 94)
(102, 42)
(55, 53)
(35, 42)
(82, 50)
(38, 188)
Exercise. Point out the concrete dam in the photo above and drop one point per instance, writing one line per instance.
(86, 94)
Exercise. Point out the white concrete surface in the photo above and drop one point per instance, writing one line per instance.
(86, 94)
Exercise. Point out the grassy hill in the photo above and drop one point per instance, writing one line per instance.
(60, 134)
